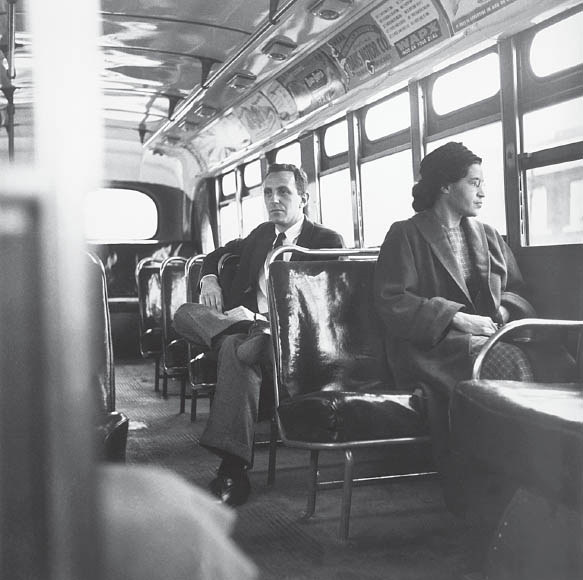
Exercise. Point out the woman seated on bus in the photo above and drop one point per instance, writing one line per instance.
(444, 283)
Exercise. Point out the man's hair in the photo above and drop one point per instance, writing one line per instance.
(300, 176)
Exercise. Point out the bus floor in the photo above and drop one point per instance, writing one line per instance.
(399, 530)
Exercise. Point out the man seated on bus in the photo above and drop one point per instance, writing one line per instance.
(230, 428)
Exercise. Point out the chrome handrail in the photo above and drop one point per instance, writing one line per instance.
(514, 325)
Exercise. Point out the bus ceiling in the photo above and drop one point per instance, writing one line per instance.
(222, 80)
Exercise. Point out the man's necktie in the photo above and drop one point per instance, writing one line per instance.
(278, 243)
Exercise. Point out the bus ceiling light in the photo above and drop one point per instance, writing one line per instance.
(330, 9)
(279, 48)
(241, 80)
(204, 111)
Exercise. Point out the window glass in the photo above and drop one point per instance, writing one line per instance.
(558, 47)
(252, 173)
(290, 154)
(120, 214)
(388, 117)
(555, 204)
(386, 194)
(336, 139)
(486, 142)
(254, 213)
(336, 204)
(554, 125)
(229, 222)
(229, 184)
(470, 83)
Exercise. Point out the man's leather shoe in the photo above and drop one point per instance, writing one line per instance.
(231, 490)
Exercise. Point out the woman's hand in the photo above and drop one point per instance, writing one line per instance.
(474, 324)
(211, 294)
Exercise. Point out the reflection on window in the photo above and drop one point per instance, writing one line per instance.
(290, 154)
(254, 213)
(229, 223)
(229, 184)
(553, 126)
(555, 204)
(120, 214)
(336, 204)
(386, 194)
(252, 173)
(558, 47)
(486, 142)
(336, 139)
(470, 83)
(388, 117)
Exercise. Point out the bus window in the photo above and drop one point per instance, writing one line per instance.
(552, 129)
(555, 204)
(252, 174)
(290, 154)
(229, 222)
(336, 139)
(120, 214)
(229, 184)
(545, 59)
(253, 210)
(486, 141)
(336, 204)
(386, 194)
(388, 117)
(480, 79)
(553, 126)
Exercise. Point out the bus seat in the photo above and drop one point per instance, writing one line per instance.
(174, 348)
(332, 388)
(529, 435)
(201, 375)
(202, 368)
(150, 312)
(112, 426)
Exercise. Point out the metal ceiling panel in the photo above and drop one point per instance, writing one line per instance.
(243, 15)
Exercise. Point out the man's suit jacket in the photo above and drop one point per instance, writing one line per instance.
(253, 251)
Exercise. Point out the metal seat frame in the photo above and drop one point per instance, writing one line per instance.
(169, 338)
(143, 331)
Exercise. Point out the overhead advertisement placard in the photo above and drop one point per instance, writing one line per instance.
(379, 41)
(314, 82)
(410, 25)
(462, 13)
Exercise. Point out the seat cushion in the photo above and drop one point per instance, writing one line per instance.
(337, 417)
(530, 432)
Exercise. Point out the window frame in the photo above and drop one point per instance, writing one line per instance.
(371, 149)
(537, 92)
(471, 116)
(332, 163)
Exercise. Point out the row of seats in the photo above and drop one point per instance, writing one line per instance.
(162, 287)
(333, 390)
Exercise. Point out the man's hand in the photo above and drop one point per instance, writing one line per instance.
(211, 294)
(474, 324)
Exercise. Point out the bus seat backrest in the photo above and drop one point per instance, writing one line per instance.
(228, 267)
(149, 293)
(193, 270)
(329, 334)
(173, 283)
(100, 336)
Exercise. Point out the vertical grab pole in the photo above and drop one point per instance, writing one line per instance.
(68, 162)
